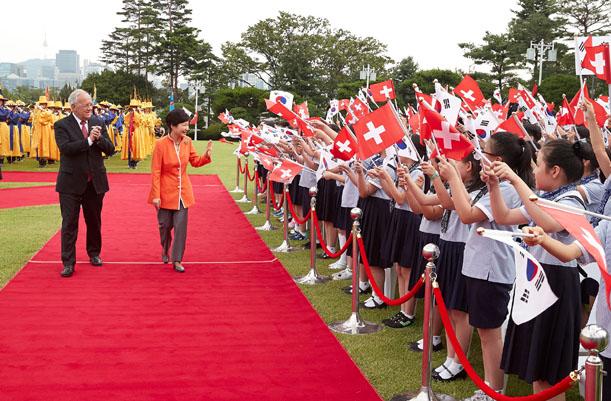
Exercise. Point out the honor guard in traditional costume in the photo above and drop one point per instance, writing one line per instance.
(41, 135)
(15, 146)
(5, 149)
(24, 128)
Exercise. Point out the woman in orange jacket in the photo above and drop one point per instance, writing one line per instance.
(171, 192)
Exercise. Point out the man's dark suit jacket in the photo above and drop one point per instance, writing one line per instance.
(78, 158)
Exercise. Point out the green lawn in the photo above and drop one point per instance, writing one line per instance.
(4, 185)
(383, 357)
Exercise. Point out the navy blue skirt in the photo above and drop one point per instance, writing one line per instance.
(294, 191)
(420, 263)
(449, 276)
(486, 302)
(546, 347)
(400, 238)
(325, 201)
(339, 215)
(374, 223)
(303, 194)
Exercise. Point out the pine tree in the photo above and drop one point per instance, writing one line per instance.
(588, 17)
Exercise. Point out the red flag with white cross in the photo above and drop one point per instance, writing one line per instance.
(285, 171)
(469, 91)
(450, 142)
(383, 91)
(344, 146)
(302, 110)
(358, 108)
(377, 131)
(281, 111)
(597, 61)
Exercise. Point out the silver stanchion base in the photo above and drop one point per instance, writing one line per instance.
(355, 325)
(286, 247)
(254, 210)
(425, 394)
(236, 190)
(312, 278)
(267, 227)
(244, 200)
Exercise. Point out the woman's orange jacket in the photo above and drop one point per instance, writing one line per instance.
(170, 181)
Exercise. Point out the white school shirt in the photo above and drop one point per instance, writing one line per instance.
(485, 258)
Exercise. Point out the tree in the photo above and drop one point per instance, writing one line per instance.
(588, 17)
(118, 86)
(495, 52)
(179, 48)
(249, 103)
(536, 20)
(301, 54)
(405, 69)
(553, 86)
(424, 79)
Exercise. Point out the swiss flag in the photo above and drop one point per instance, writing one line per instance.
(449, 141)
(377, 131)
(266, 161)
(224, 118)
(382, 91)
(599, 111)
(414, 122)
(499, 111)
(577, 225)
(301, 110)
(358, 108)
(565, 114)
(513, 125)
(269, 151)
(234, 129)
(597, 60)
(285, 171)
(281, 110)
(344, 104)
(469, 91)
(513, 95)
(305, 127)
(344, 146)
(534, 91)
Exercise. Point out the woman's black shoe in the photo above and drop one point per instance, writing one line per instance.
(178, 267)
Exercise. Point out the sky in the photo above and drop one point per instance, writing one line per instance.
(429, 31)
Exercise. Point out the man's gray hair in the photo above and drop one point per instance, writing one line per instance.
(74, 96)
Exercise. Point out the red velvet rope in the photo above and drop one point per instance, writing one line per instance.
(324, 246)
(293, 212)
(261, 191)
(377, 289)
(242, 171)
(274, 201)
(248, 174)
(558, 388)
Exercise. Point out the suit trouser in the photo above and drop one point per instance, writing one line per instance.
(176, 219)
(70, 205)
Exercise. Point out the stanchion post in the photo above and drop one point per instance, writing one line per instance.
(430, 253)
(312, 277)
(237, 178)
(255, 200)
(355, 324)
(268, 224)
(245, 197)
(286, 246)
(595, 339)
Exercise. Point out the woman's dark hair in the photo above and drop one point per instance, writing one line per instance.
(583, 132)
(175, 117)
(475, 181)
(566, 155)
(587, 153)
(516, 153)
(334, 127)
(282, 124)
(533, 130)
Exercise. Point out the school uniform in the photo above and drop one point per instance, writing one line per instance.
(307, 180)
(399, 241)
(451, 252)
(350, 199)
(375, 220)
(488, 266)
(338, 215)
(428, 233)
(593, 189)
(325, 202)
(546, 348)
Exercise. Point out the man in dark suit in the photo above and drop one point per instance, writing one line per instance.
(81, 180)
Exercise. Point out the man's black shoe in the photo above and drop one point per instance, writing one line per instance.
(307, 245)
(95, 260)
(68, 271)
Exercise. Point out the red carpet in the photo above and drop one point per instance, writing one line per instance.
(233, 327)
(30, 196)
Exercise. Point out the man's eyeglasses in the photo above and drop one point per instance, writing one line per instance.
(86, 106)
